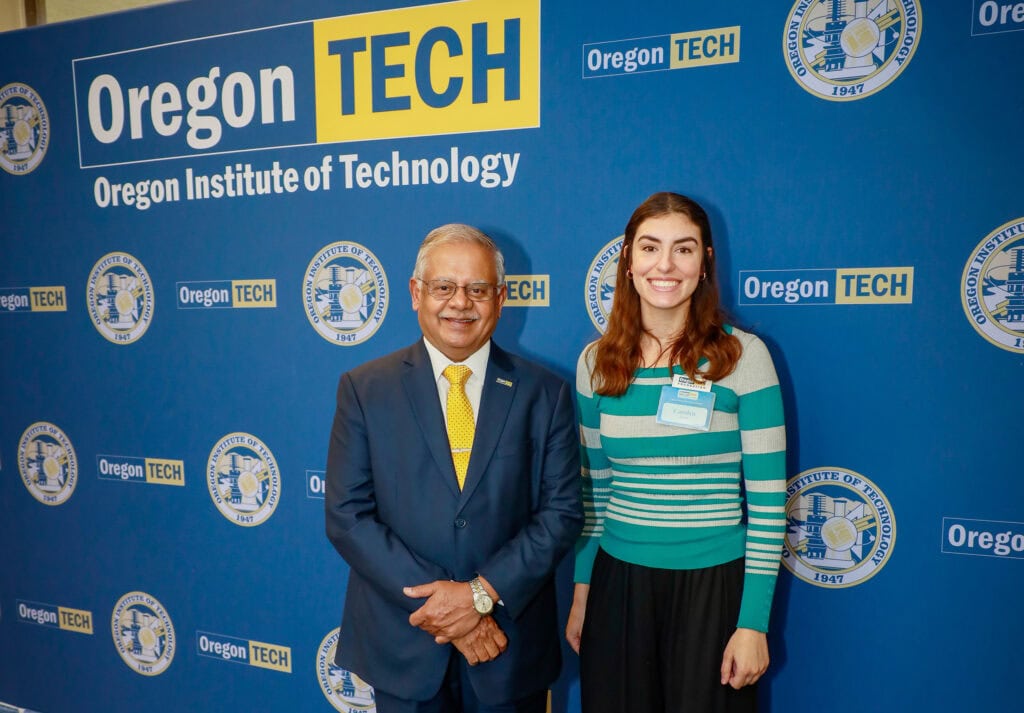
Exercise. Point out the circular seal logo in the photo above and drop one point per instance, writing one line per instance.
(843, 51)
(840, 529)
(600, 287)
(243, 479)
(47, 463)
(119, 297)
(24, 129)
(346, 691)
(345, 293)
(143, 633)
(992, 288)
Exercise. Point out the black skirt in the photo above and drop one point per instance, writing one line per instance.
(653, 639)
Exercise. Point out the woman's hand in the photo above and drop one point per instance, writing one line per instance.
(574, 627)
(745, 659)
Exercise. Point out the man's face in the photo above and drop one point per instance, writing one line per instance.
(457, 326)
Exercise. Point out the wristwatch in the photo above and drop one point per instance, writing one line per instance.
(482, 601)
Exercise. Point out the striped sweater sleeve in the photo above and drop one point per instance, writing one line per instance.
(595, 469)
(763, 441)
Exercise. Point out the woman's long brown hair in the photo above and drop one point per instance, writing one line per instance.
(618, 352)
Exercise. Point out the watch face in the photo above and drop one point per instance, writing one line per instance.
(482, 602)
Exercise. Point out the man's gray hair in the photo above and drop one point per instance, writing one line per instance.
(458, 233)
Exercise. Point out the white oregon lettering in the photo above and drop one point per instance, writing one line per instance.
(991, 13)
(141, 195)
(205, 297)
(122, 470)
(109, 105)
(316, 484)
(40, 616)
(1000, 543)
(224, 649)
(629, 61)
(13, 302)
(791, 291)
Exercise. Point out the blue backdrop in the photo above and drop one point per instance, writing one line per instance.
(211, 210)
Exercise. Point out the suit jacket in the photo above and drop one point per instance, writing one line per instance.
(395, 514)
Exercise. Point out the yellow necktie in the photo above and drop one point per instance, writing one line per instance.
(460, 419)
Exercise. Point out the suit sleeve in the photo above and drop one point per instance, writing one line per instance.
(519, 569)
(368, 546)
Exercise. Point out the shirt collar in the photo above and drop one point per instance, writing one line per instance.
(477, 361)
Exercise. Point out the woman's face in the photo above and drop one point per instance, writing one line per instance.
(667, 262)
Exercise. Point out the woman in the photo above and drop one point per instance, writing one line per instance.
(684, 484)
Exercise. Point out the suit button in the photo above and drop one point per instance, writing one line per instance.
(460, 523)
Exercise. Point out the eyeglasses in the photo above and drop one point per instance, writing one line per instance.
(446, 289)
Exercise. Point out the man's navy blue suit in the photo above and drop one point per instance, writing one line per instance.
(395, 514)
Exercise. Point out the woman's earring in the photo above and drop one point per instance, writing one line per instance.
(629, 273)
(704, 276)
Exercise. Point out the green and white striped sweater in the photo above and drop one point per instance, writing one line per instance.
(670, 497)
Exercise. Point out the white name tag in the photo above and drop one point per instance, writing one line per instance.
(686, 408)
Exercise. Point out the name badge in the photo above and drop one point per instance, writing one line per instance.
(686, 408)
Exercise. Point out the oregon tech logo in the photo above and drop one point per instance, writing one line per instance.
(991, 17)
(848, 50)
(243, 479)
(220, 294)
(838, 286)
(346, 691)
(119, 297)
(33, 299)
(143, 633)
(840, 528)
(600, 287)
(24, 129)
(443, 68)
(316, 484)
(47, 463)
(157, 471)
(680, 50)
(244, 651)
(345, 293)
(51, 615)
(992, 287)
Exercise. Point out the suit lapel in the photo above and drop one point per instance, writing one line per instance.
(421, 389)
(500, 384)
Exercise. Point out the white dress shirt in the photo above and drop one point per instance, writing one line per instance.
(477, 362)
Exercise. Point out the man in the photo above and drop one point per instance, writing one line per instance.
(453, 497)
